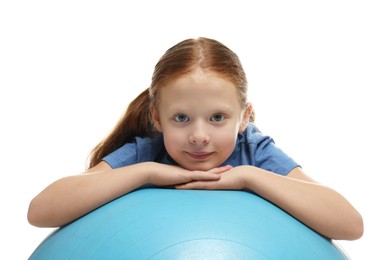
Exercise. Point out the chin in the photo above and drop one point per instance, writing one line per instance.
(199, 166)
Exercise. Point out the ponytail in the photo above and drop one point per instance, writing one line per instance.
(135, 122)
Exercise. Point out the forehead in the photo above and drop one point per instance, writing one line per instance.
(199, 85)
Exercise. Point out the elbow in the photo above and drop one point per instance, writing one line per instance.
(36, 215)
(349, 228)
(354, 230)
(357, 228)
(33, 216)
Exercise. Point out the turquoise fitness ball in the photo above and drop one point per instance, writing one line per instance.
(155, 223)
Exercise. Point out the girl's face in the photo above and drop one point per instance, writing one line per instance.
(200, 116)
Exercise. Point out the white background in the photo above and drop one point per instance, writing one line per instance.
(317, 70)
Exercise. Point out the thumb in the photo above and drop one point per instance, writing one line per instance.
(221, 169)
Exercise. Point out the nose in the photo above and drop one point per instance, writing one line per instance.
(199, 135)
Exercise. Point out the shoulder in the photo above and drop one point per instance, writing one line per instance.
(141, 150)
(262, 151)
(253, 136)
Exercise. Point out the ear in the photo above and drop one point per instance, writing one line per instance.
(155, 118)
(245, 117)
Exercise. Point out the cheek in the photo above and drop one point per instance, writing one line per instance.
(225, 140)
(172, 140)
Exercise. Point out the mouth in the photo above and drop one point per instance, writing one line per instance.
(199, 156)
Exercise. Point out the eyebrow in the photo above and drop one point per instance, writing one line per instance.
(228, 109)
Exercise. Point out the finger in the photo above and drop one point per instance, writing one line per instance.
(205, 176)
(197, 185)
(221, 169)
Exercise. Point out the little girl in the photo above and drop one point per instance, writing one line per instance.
(193, 129)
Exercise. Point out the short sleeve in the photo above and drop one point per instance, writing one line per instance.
(123, 156)
(265, 154)
(141, 150)
(271, 158)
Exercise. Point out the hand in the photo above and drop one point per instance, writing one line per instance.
(168, 175)
(231, 179)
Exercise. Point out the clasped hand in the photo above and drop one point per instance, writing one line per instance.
(220, 178)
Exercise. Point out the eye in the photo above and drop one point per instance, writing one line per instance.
(217, 118)
(181, 118)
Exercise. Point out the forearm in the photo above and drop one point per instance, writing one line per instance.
(72, 197)
(317, 206)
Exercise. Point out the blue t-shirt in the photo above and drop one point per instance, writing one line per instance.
(252, 148)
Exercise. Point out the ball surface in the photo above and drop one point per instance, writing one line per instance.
(172, 224)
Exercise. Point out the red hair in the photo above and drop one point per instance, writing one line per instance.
(184, 57)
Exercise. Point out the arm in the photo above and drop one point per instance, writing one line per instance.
(74, 196)
(317, 206)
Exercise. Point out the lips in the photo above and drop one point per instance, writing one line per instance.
(200, 156)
